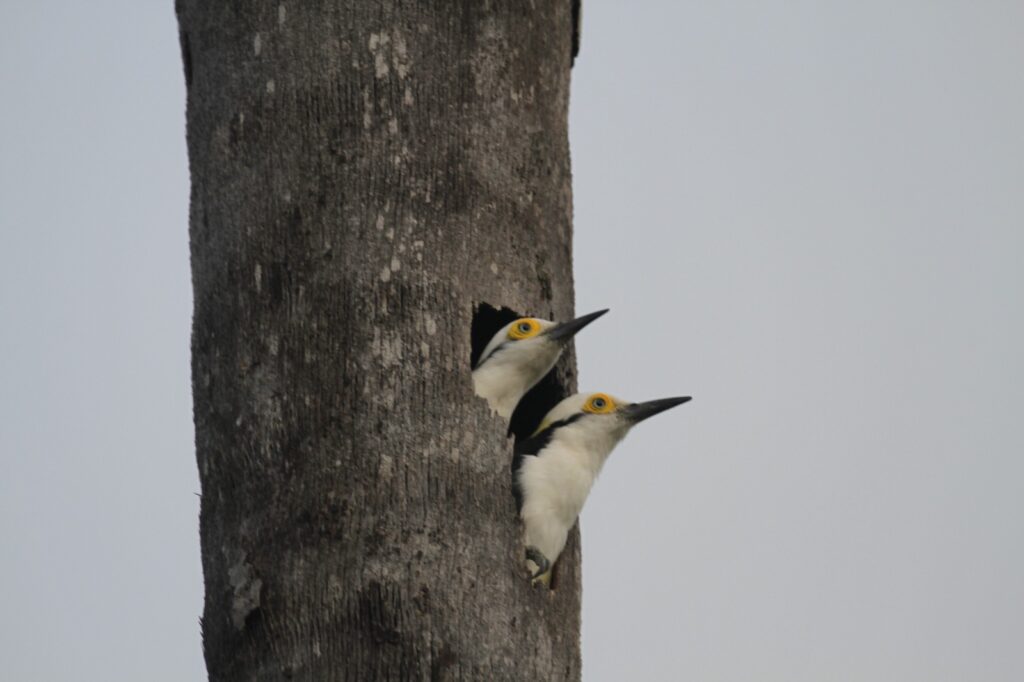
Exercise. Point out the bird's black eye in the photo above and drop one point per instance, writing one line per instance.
(523, 329)
(599, 403)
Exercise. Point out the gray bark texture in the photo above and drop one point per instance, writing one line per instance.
(364, 175)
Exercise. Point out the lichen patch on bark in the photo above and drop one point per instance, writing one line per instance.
(245, 587)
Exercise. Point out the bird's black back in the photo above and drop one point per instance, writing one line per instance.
(535, 405)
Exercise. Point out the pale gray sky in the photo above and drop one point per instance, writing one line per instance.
(809, 216)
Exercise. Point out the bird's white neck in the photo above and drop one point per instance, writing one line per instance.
(503, 379)
(593, 442)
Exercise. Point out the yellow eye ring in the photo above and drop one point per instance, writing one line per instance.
(523, 329)
(599, 403)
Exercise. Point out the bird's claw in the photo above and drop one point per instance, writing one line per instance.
(543, 565)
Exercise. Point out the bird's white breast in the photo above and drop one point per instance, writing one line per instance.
(556, 483)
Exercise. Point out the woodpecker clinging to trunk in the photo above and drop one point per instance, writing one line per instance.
(519, 356)
(553, 471)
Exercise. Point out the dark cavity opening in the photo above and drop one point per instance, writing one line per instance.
(487, 320)
(539, 400)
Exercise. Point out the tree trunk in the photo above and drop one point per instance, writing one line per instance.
(364, 175)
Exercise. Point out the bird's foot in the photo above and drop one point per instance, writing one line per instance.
(537, 557)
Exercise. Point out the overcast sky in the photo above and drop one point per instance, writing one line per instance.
(807, 215)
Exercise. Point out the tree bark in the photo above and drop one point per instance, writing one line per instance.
(364, 175)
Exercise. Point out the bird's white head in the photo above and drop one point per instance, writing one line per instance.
(519, 355)
(596, 422)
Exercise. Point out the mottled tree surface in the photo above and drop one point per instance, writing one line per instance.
(364, 174)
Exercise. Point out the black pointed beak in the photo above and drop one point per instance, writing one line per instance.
(637, 412)
(566, 330)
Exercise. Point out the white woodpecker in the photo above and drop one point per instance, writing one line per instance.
(519, 356)
(553, 470)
